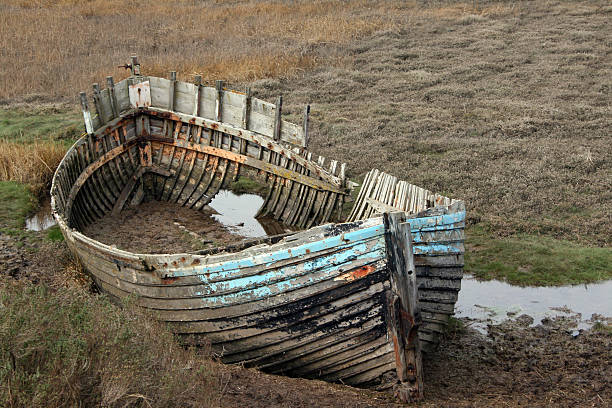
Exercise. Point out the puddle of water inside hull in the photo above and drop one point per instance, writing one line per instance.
(491, 301)
(42, 219)
(237, 212)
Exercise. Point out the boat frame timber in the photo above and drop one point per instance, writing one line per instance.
(343, 302)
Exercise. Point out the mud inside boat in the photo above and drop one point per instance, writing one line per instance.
(343, 302)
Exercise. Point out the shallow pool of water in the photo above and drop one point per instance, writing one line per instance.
(237, 212)
(42, 219)
(494, 301)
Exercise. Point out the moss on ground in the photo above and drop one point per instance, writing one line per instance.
(531, 260)
(54, 234)
(247, 185)
(40, 123)
(16, 202)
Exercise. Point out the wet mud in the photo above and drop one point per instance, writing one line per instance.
(162, 227)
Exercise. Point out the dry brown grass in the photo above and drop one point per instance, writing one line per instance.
(69, 348)
(31, 164)
(56, 47)
(506, 106)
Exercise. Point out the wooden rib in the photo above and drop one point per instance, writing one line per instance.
(104, 172)
(197, 138)
(278, 214)
(90, 171)
(209, 196)
(179, 168)
(263, 210)
(91, 191)
(205, 166)
(176, 126)
(197, 181)
(213, 171)
(245, 134)
(125, 193)
(112, 166)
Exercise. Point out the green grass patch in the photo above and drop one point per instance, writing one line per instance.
(603, 328)
(70, 348)
(54, 234)
(16, 202)
(30, 125)
(247, 185)
(530, 260)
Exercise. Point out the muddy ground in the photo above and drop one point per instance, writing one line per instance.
(515, 364)
(162, 227)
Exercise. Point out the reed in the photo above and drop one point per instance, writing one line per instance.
(32, 164)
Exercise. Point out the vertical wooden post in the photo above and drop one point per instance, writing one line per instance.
(277, 118)
(246, 109)
(97, 104)
(135, 66)
(198, 83)
(86, 114)
(171, 90)
(305, 125)
(404, 313)
(110, 84)
(218, 100)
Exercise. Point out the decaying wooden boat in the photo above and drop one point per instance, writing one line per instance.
(336, 301)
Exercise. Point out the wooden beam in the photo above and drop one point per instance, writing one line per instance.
(305, 125)
(135, 66)
(198, 83)
(110, 84)
(246, 109)
(249, 161)
(218, 100)
(172, 90)
(86, 114)
(404, 313)
(277, 118)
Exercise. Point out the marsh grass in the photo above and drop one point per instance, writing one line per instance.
(16, 202)
(83, 41)
(70, 348)
(530, 260)
(33, 140)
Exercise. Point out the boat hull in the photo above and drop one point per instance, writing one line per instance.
(320, 303)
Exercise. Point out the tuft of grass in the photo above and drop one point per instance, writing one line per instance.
(32, 124)
(54, 234)
(603, 328)
(531, 260)
(248, 185)
(16, 202)
(70, 348)
(32, 143)
(454, 327)
(32, 164)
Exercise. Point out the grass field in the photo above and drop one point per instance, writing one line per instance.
(505, 105)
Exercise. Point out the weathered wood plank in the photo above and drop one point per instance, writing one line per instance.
(405, 314)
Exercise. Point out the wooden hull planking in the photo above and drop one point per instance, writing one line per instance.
(317, 304)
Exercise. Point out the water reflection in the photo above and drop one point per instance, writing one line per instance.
(237, 212)
(494, 301)
(42, 219)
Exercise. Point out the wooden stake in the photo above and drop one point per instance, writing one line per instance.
(135, 66)
(405, 316)
(197, 80)
(246, 109)
(277, 118)
(110, 84)
(171, 90)
(218, 101)
(86, 114)
(305, 125)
